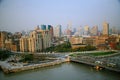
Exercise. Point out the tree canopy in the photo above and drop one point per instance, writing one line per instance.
(4, 54)
(66, 47)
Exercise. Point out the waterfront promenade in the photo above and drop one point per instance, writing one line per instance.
(111, 62)
(51, 59)
(17, 67)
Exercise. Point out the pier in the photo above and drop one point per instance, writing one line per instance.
(8, 68)
(51, 59)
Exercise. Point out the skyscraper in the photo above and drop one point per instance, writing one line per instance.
(105, 28)
(43, 27)
(114, 30)
(57, 31)
(86, 30)
(94, 30)
(50, 28)
(69, 26)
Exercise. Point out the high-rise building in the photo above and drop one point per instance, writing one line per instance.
(94, 31)
(3, 36)
(86, 30)
(57, 31)
(80, 30)
(74, 30)
(50, 28)
(105, 28)
(114, 30)
(43, 27)
(24, 44)
(69, 25)
(69, 32)
(37, 41)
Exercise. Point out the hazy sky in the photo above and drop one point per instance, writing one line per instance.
(18, 15)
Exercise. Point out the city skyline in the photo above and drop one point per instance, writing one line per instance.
(25, 15)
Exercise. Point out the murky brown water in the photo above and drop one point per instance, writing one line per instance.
(65, 71)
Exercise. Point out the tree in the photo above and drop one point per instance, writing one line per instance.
(65, 47)
(4, 54)
(118, 46)
(27, 57)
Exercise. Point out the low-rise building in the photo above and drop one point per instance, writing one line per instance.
(76, 40)
(89, 41)
(76, 46)
(100, 40)
(9, 41)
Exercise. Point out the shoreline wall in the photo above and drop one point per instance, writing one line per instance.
(30, 67)
(93, 64)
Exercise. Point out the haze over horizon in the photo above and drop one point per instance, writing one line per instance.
(18, 15)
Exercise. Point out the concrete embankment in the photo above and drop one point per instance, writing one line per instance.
(93, 64)
(8, 69)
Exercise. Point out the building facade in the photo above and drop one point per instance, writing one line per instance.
(105, 28)
(57, 31)
(3, 36)
(50, 28)
(86, 30)
(89, 41)
(76, 40)
(24, 44)
(43, 27)
(94, 31)
(37, 41)
(9, 41)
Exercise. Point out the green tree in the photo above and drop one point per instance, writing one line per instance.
(4, 54)
(118, 46)
(27, 57)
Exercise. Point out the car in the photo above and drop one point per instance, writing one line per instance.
(98, 62)
(111, 64)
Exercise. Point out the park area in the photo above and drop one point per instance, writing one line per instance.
(102, 53)
(94, 53)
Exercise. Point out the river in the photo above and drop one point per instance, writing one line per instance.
(65, 71)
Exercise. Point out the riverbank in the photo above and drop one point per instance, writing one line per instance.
(8, 68)
(110, 62)
(94, 65)
(64, 71)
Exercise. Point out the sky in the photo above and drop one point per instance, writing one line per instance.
(18, 15)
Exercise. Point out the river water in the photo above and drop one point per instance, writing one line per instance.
(65, 71)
